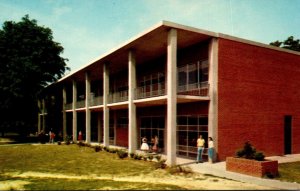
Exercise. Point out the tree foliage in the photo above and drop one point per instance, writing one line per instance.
(29, 60)
(289, 43)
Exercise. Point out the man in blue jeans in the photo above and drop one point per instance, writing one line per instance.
(200, 146)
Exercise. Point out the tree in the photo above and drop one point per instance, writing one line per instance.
(289, 43)
(29, 60)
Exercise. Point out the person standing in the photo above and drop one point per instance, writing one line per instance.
(200, 148)
(50, 132)
(144, 146)
(211, 150)
(52, 136)
(80, 136)
(155, 146)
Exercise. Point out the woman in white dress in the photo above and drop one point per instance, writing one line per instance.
(144, 146)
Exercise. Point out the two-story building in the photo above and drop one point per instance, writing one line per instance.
(176, 82)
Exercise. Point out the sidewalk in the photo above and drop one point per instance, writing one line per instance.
(219, 169)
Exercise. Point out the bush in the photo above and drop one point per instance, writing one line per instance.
(106, 149)
(112, 150)
(158, 157)
(138, 157)
(132, 155)
(97, 148)
(122, 154)
(150, 157)
(160, 164)
(259, 156)
(249, 152)
(68, 139)
(80, 144)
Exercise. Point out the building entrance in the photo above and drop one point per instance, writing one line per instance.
(153, 126)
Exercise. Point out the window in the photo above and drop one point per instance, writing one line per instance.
(188, 130)
(193, 75)
(153, 126)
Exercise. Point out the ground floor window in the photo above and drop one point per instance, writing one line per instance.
(153, 126)
(188, 130)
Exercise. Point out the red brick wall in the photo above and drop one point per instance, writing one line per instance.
(257, 87)
(252, 167)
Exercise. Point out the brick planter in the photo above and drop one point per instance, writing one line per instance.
(252, 167)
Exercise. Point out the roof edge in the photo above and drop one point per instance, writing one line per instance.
(189, 28)
(181, 27)
(259, 44)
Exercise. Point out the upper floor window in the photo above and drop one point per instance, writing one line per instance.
(193, 73)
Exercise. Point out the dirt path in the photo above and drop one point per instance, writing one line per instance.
(195, 181)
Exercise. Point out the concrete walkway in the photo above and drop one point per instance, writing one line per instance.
(219, 169)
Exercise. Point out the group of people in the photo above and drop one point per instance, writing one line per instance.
(51, 137)
(200, 149)
(153, 144)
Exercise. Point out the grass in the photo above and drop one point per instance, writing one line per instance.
(70, 167)
(101, 168)
(289, 172)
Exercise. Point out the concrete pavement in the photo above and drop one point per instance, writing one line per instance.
(219, 169)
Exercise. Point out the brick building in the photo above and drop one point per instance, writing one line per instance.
(177, 82)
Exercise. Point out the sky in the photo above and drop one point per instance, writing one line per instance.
(88, 29)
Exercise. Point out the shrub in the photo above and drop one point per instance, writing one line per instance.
(132, 155)
(97, 148)
(112, 150)
(150, 157)
(88, 145)
(160, 164)
(259, 156)
(68, 139)
(158, 157)
(249, 152)
(122, 154)
(138, 157)
(80, 144)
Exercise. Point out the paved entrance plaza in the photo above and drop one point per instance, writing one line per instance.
(219, 169)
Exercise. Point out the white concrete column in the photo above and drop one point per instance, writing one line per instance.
(64, 113)
(132, 133)
(74, 123)
(213, 92)
(171, 97)
(105, 102)
(87, 108)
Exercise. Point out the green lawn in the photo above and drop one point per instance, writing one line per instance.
(82, 167)
(70, 167)
(289, 172)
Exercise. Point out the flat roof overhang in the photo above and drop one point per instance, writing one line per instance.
(151, 44)
(148, 45)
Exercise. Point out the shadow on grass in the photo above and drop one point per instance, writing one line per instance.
(18, 139)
